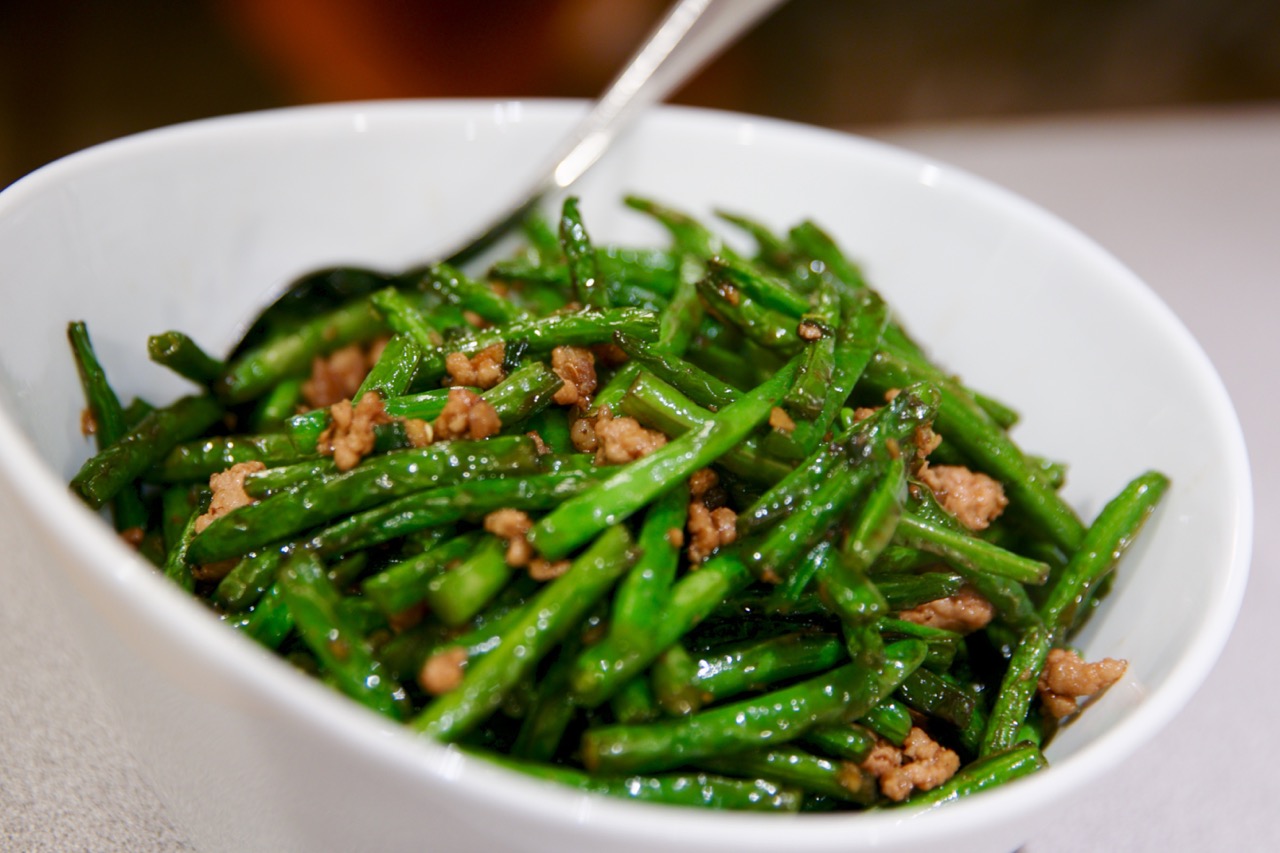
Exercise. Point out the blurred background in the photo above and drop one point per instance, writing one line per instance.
(77, 72)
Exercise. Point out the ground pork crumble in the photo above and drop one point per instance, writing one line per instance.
(615, 441)
(1067, 680)
(920, 765)
(467, 415)
(965, 612)
(512, 525)
(338, 375)
(443, 671)
(349, 436)
(482, 370)
(577, 367)
(228, 492)
(708, 528)
(972, 497)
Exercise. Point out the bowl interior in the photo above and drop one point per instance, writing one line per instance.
(194, 227)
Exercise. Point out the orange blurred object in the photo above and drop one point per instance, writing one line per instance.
(326, 50)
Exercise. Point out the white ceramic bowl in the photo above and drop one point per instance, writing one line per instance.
(193, 227)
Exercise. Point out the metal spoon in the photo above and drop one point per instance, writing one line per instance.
(691, 34)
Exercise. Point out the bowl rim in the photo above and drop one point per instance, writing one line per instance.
(129, 582)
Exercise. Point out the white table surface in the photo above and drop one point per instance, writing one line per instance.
(1189, 200)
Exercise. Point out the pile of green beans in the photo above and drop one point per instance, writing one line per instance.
(758, 676)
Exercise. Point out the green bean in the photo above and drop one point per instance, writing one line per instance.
(672, 676)
(973, 553)
(421, 510)
(184, 357)
(405, 582)
(695, 383)
(255, 371)
(659, 405)
(394, 370)
(550, 616)
(379, 480)
(578, 328)
(849, 741)
(810, 773)
(890, 719)
(961, 421)
(987, 772)
(463, 590)
(340, 647)
(581, 517)
(756, 665)
(903, 592)
(453, 286)
(642, 594)
(575, 245)
(685, 789)
(253, 575)
(770, 719)
(104, 475)
(603, 668)
(109, 422)
(1105, 542)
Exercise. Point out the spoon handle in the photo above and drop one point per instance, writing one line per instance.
(691, 34)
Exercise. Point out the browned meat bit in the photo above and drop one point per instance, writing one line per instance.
(482, 370)
(407, 618)
(467, 415)
(622, 440)
(708, 528)
(701, 482)
(228, 492)
(511, 525)
(443, 671)
(861, 413)
(474, 320)
(964, 612)
(925, 440)
(972, 497)
(133, 536)
(336, 377)
(349, 436)
(541, 569)
(418, 431)
(780, 420)
(538, 444)
(921, 764)
(1067, 679)
(610, 355)
(213, 572)
(88, 423)
(809, 331)
(675, 537)
(577, 367)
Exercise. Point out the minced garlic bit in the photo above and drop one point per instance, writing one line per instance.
(1067, 680)
(467, 415)
(577, 367)
(965, 612)
(228, 492)
(921, 765)
(974, 498)
(483, 370)
(349, 436)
